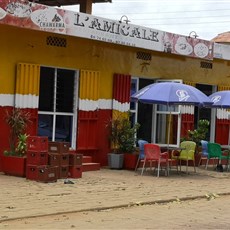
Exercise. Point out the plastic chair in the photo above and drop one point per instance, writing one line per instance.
(204, 152)
(215, 152)
(141, 156)
(153, 153)
(187, 153)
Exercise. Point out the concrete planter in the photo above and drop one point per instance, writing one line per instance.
(115, 161)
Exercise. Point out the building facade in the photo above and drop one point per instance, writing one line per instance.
(73, 72)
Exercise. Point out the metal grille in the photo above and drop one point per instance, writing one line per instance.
(144, 56)
(205, 65)
(56, 41)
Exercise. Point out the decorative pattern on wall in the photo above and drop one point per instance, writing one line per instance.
(121, 92)
(27, 85)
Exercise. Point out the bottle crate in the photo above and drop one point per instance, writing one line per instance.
(42, 173)
(64, 159)
(63, 172)
(58, 147)
(37, 143)
(54, 159)
(75, 159)
(37, 158)
(75, 171)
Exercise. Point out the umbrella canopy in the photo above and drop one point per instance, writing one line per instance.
(171, 93)
(221, 99)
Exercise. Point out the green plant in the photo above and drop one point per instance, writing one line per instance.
(18, 121)
(123, 134)
(200, 133)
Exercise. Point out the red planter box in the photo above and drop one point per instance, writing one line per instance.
(14, 166)
(36, 143)
(75, 172)
(130, 161)
(41, 173)
(37, 158)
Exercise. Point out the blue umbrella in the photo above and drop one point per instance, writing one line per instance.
(221, 99)
(171, 93)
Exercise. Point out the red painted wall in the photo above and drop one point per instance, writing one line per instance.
(92, 136)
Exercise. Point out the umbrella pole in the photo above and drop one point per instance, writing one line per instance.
(169, 129)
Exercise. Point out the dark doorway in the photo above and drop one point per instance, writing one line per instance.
(203, 113)
(145, 115)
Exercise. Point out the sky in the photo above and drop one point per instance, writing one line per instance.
(207, 18)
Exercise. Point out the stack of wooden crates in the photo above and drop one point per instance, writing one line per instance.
(37, 167)
(69, 163)
(49, 161)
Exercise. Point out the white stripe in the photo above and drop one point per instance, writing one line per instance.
(222, 114)
(187, 109)
(91, 105)
(122, 107)
(26, 101)
(6, 100)
(105, 103)
(88, 105)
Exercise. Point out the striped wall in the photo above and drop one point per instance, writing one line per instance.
(27, 86)
(222, 121)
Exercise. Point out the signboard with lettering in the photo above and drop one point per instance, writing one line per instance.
(30, 15)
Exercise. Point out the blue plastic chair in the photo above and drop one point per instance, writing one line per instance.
(204, 151)
(141, 156)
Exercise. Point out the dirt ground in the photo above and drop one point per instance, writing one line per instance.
(207, 213)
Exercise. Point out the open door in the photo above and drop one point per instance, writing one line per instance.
(166, 128)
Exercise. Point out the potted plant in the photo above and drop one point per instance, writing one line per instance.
(14, 159)
(197, 135)
(123, 139)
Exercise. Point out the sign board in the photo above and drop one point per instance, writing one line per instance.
(35, 16)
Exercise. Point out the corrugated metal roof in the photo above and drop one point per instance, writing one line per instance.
(222, 38)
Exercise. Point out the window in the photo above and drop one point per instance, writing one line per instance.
(57, 104)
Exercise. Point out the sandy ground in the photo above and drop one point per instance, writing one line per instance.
(198, 200)
(210, 213)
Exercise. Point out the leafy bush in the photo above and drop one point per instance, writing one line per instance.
(200, 133)
(18, 121)
(123, 134)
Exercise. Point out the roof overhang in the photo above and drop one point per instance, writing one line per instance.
(67, 2)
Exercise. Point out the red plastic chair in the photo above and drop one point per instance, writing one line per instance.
(153, 154)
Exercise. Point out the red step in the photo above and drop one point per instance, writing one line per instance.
(88, 165)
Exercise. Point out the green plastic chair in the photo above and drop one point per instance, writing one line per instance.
(187, 153)
(215, 152)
